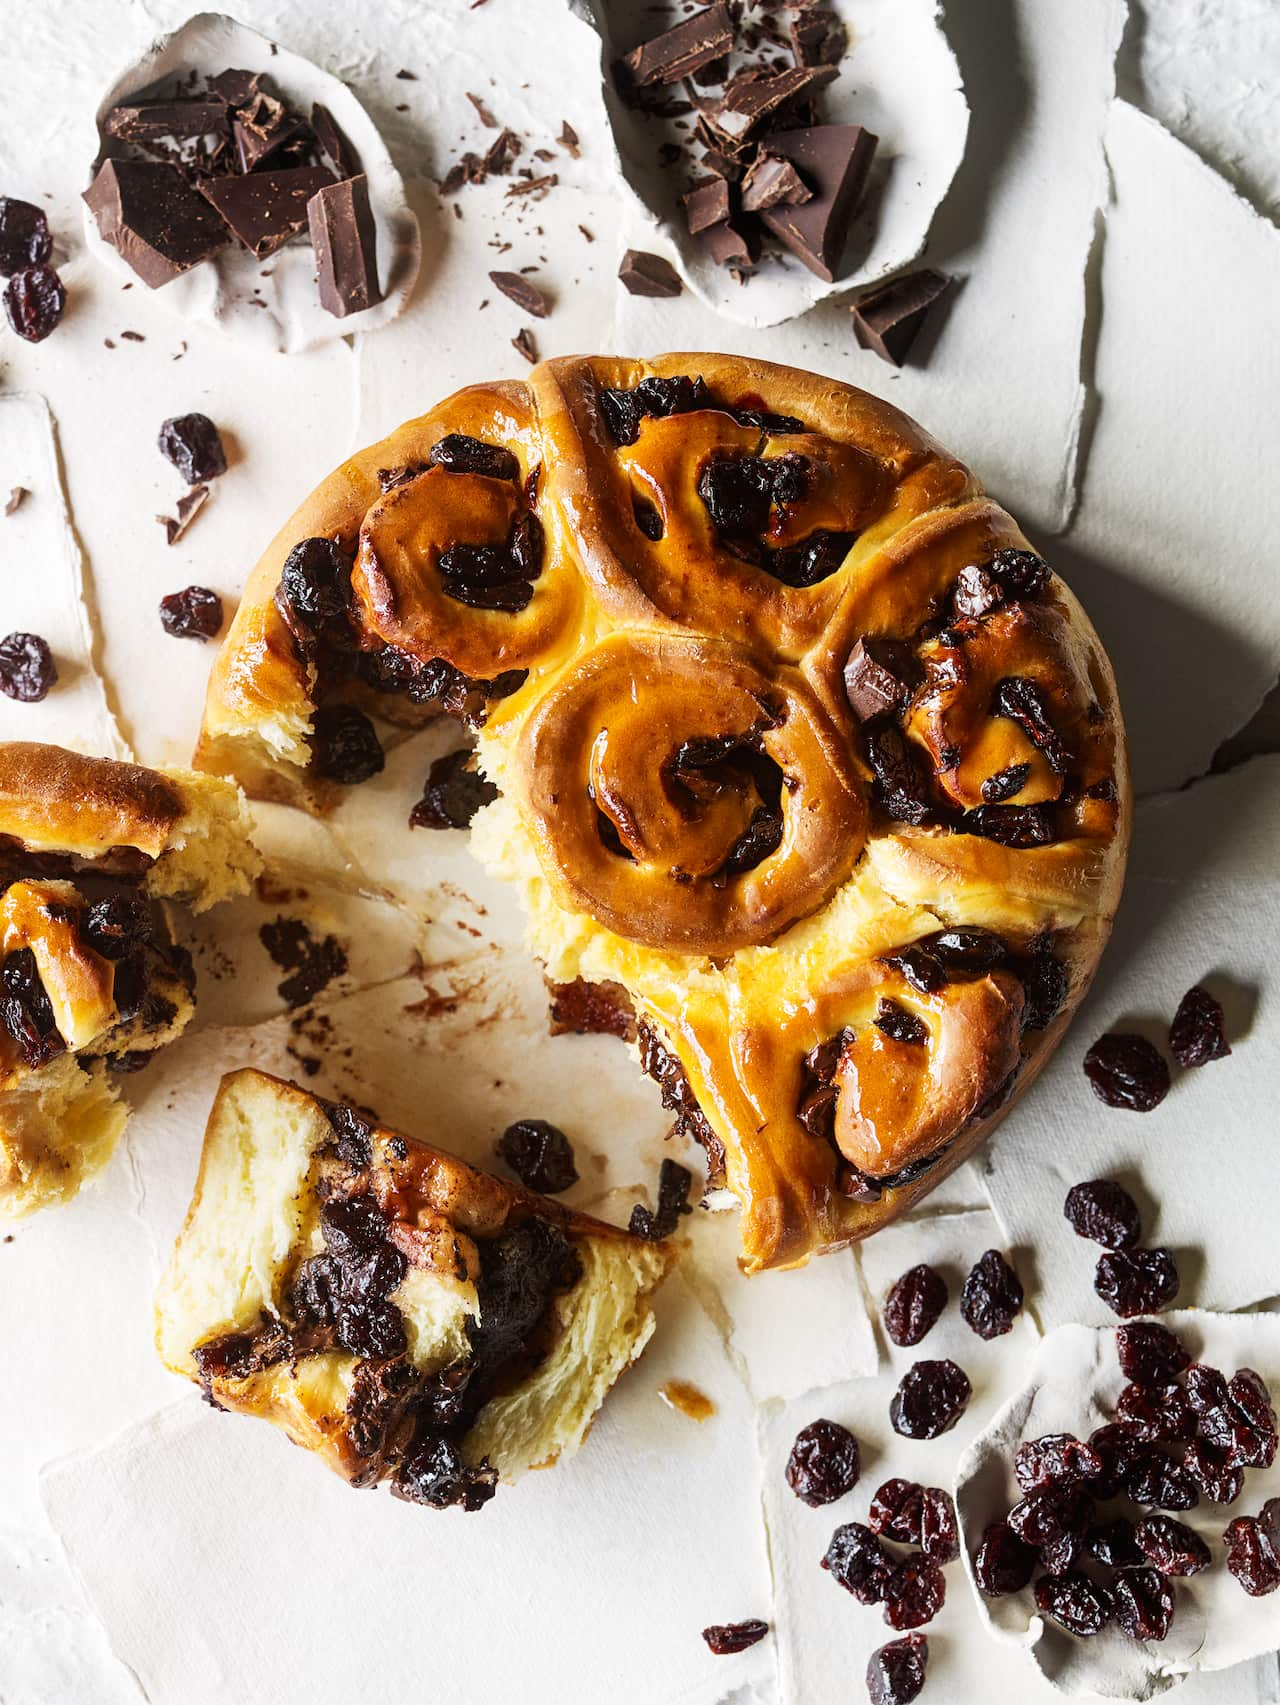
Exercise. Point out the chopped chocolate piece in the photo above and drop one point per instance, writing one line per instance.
(773, 183)
(888, 318)
(189, 506)
(524, 345)
(568, 139)
(262, 126)
(523, 292)
(879, 677)
(333, 142)
(680, 51)
(706, 204)
(818, 38)
(345, 241)
(723, 165)
(834, 159)
(645, 274)
(179, 120)
(265, 209)
(24, 235)
(27, 669)
(674, 1181)
(195, 613)
(157, 223)
(482, 112)
(194, 446)
(725, 1638)
(754, 99)
(455, 790)
(540, 1155)
(727, 246)
(1198, 1032)
(34, 300)
(14, 500)
(236, 88)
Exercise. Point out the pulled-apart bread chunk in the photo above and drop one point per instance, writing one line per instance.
(91, 982)
(389, 1307)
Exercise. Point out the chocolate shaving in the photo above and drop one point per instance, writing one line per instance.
(523, 342)
(189, 506)
(16, 496)
(523, 292)
(482, 112)
(568, 140)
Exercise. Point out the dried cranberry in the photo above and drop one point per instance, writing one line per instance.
(34, 301)
(992, 1296)
(24, 235)
(648, 518)
(824, 1463)
(25, 1009)
(1213, 1471)
(1042, 1517)
(1198, 1033)
(897, 1510)
(374, 1329)
(1149, 1354)
(1127, 1071)
(1045, 986)
(317, 1289)
(624, 410)
(27, 669)
(455, 790)
(674, 1182)
(1235, 1417)
(540, 1155)
(1157, 1413)
(1142, 1603)
(810, 560)
(1023, 702)
(117, 924)
(1171, 1546)
(761, 837)
(194, 446)
(461, 454)
(495, 577)
(914, 1593)
(1150, 1479)
(901, 786)
(1003, 1564)
(1058, 1556)
(922, 968)
(434, 1473)
(1076, 1603)
(352, 1225)
(1136, 1281)
(1104, 1212)
(314, 596)
(1253, 1550)
(856, 1558)
(1112, 1543)
(344, 745)
(939, 1535)
(1005, 783)
(725, 1638)
(895, 1673)
(899, 1025)
(195, 613)
(930, 1399)
(1017, 826)
(1055, 1459)
(913, 1305)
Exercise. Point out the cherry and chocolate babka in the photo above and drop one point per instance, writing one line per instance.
(808, 764)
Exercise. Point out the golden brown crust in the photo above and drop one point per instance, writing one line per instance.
(691, 804)
(55, 800)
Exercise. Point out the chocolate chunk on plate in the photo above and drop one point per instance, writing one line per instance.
(888, 318)
(727, 245)
(345, 241)
(333, 142)
(153, 219)
(754, 100)
(818, 38)
(680, 51)
(265, 209)
(644, 274)
(156, 121)
(834, 160)
(262, 127)
(773, 183)
(706, 204)
(523, 292)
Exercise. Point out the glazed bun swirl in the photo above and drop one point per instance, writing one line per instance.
(685, 798)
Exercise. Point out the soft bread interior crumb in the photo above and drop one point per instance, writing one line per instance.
(209, 856)
(58, 1127)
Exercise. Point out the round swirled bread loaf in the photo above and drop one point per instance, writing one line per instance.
(812, 774)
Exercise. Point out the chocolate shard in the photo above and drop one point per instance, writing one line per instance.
(725, 166)
(236, 87)
(706, 204)
(333, 143)
(524, 345)
(818, 38)
(773, 183)
(264, 209)
(755, 99)
(879, 677)
(523, 292)
(683, 50)
(644, 274)
(888, 318)
(834, 160)
(261, 128)
(345, 241)
(180, 121)
(727, 245)
(153, 218)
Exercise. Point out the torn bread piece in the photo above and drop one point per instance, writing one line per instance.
(406, 1317)
(91, 982)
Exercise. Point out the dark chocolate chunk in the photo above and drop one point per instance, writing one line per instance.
(235, 87)
(180, 120)
(194, 446)
(726, 245)
(680, 51)
(773, 183)
(189, 506)
(523, 344)
(818, 38)
(333, 142)
(754, 99)
(644, 274)
(706, 204)
(879, 677)
(888, 318)
(345, 241)
(262, 126)
(156, 222)
(523, 292)
(24, 235)
(834, 160)
(265, 209)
